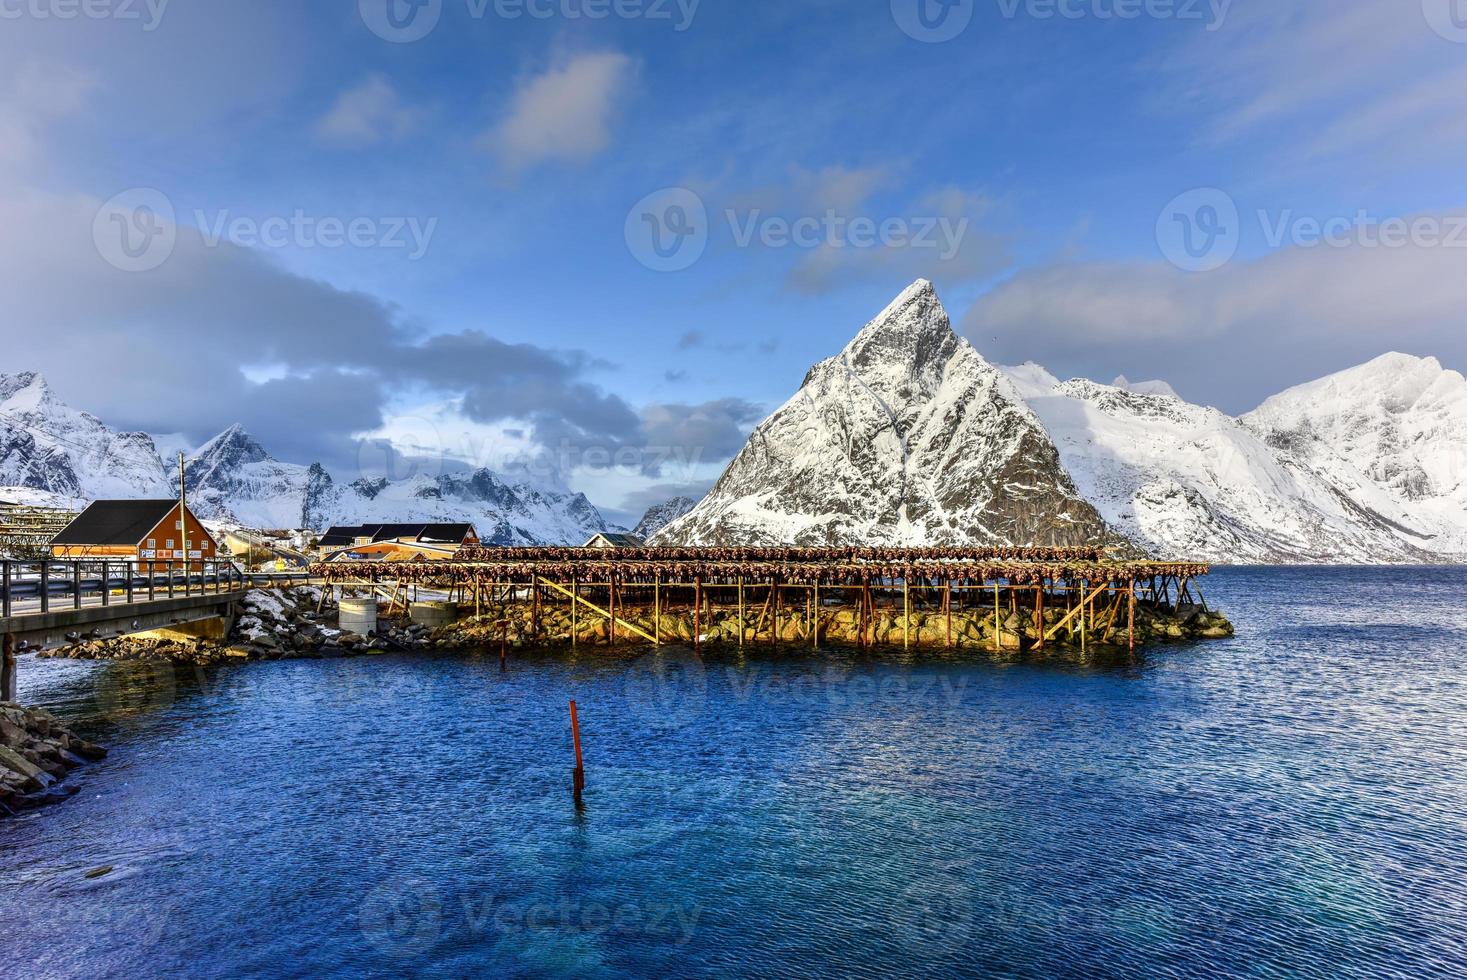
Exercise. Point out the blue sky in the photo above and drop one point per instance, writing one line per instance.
(1053, 143)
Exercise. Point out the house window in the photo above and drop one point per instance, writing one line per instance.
(170, 542)
(179, 525)
(153, 543)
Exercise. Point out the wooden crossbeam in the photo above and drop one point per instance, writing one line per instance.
(597, 609)
(1053, 630)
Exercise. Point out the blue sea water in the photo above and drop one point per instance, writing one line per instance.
(1291, 802)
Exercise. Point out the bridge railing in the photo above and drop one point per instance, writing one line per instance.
(28, 587)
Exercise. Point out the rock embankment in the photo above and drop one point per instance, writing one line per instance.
(275, 624)
(36, 753)
(976, 629)
(270, 624)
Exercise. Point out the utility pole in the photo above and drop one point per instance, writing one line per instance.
(183, 519)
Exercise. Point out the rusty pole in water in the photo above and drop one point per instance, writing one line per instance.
(579, 777)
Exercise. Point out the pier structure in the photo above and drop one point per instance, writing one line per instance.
(998, 598)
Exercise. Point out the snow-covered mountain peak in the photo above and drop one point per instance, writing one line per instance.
(908, 436)
(908, 341)
(1399, 420)
(24, 392)
(233, 446)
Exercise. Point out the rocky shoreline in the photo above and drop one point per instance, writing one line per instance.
(36, 753)
(283, 624)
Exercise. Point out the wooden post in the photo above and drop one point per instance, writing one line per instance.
(579, 777)
(657, 610)
(7, 668)
(742, 625)
(1084, 588)
(815, 618)
(906, 611)
(1039, 612)
(698, 614)
(611, 626)
(997, 624)
(575, 609)
(774, 598)
(1131, 616)
(947, 601)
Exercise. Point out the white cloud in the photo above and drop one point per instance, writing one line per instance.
(1236, 334)
(1324, 79)
(566, 113)
(371, 113)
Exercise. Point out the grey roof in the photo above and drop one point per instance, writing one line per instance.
(115, 522)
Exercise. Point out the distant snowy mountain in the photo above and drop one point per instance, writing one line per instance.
(1182, 481)
(232, 477)
(47, 448)
(46, 445)
(1394, 431)
(906, 437)
(503, 513)
(663, 514)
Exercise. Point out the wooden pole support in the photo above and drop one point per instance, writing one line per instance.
(579, 776)
(8, 671)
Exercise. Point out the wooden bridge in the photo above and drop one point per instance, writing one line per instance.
(47, 603)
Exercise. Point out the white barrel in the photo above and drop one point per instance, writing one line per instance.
(358, 616)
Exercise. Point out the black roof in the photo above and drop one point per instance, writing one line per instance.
(341, 535)
(115, 522)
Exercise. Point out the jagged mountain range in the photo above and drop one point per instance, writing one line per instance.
(910, 436)
(907, 436)
(72, 457)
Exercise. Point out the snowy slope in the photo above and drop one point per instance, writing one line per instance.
(661, 515)
(502, 513)
(1182, 480)
(46, 445)
(906, 437)
(1397, 426)
(232, 477)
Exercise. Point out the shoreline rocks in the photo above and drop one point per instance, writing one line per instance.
(284, 624)
(36, 754)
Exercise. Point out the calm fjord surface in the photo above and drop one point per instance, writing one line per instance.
(1290, 802)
